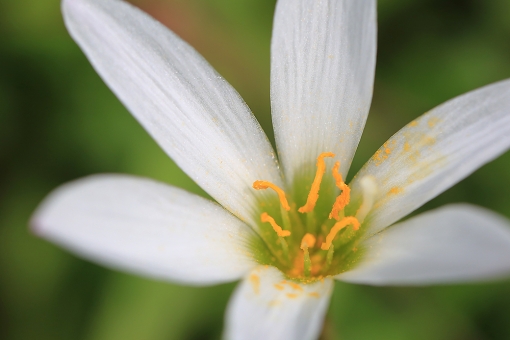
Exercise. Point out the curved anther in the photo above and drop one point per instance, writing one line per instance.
(344, 198)
(261, 185)
(313, 196)
(337, 227)
(264, 217)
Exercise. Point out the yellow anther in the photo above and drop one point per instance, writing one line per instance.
(308, 241)
(260, 185)
(344, 198)
(337, 227)
(313, 196)
(264, 217)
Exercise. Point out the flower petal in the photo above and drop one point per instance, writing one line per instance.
(190, 110)
(456, 243)
(436, 151)
(322, 74)
(148, 228)
(265, 306)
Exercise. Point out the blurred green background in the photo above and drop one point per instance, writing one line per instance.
(58, 122)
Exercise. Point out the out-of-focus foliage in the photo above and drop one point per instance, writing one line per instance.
(58, 122)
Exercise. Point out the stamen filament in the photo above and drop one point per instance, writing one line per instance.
(285, 248)
(344, 198)
(285, 218)
(313, 196)
(329, 256)
(264, 217)
(310, 222)
(307, 263)
(307, 241)
(261, 185)
(337, 227)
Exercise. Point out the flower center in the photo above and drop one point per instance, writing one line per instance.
(306, 245)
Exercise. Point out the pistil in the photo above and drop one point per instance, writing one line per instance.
(369, 188)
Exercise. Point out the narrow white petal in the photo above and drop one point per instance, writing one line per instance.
(322, 74)
(456, 243)
(190, 110)
(436, 151)
(147, 228)
(265, 306)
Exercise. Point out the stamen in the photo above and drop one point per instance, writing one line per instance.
(313, 196)
(369, 188)
(260, 185)
(264, 217)
(337, 227)
(344, 198)
(307, 241)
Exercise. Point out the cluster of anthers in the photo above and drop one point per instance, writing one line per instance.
(314, 256)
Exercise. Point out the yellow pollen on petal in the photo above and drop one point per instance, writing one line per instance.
(308, 241)
(261, 185)
(395, 190)
(313, 196)
(264, 217)
(279, 287)
(344, 198)
(255, 281)
(295, 286)
(337, 227)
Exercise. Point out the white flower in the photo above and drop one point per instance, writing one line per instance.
(288, 246)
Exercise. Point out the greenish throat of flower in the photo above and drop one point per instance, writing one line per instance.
(320, 238)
